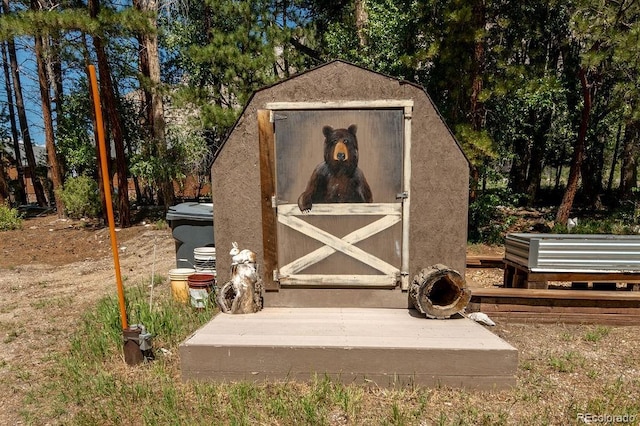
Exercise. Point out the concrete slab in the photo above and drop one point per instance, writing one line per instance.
(383, 347)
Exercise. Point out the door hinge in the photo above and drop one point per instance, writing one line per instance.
(408, 112)
(402, 195)
(274, 202)
(276, 275)
(400, 274)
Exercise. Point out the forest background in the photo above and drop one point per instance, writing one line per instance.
(542, 95)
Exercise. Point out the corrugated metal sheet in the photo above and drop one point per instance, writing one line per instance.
(575, 253)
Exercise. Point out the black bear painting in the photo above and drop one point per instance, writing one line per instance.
(337, 179)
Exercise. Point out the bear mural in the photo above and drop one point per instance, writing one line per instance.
(337, 179)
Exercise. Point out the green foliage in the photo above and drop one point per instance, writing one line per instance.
(81, 197)
(77, 150)
(616, 223)
(9, 218)
(226, 51)
(477, 145)
(389, 43)
(504, 75)
(153, 169)
(519, 115)
(487, 223)
(125, 21)
(160, 224)
(189, 150)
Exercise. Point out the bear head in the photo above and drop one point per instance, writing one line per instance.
(341, 149)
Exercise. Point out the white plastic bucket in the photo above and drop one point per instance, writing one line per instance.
(204, 259)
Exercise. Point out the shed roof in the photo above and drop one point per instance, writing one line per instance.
(347, 64)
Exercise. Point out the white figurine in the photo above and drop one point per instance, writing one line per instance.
(243, 293)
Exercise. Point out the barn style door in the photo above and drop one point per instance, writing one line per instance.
(339, 243)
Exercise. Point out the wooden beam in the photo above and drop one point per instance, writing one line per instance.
(339, 209)
(314, 280)
(569, 276)
(406, 202)
(338, 244)
(488, 307)
(325, 251)
(571, 306)
(554, 294)
(567, 318)
(266, 139)
(585, 276)
(485, 261)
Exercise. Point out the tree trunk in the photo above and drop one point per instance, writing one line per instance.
(535, 172)
(143, 60)
(518, 172)
(285, 53)
(362, 20)
(52, 156)
(578, 153)
(136, 182)
(439, 292)
(474, 182)
(629, 170)
(4, 188)
(559, 168)
(592, 174)
(477, 109)
(157, 123)
(21, 189)
(614, 159)
(55, 74)
(111, 110)
(103, 197)
(538, 149)
(22, 118)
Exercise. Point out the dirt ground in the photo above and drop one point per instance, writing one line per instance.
(51, 272)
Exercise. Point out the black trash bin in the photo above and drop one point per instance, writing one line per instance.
(192, 226)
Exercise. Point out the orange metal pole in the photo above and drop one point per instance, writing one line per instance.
(107, 193)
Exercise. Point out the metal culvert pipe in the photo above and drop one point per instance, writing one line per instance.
(439, 292)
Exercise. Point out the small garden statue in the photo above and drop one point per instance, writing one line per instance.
(243, 293)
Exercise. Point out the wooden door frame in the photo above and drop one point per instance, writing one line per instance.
(266, 134)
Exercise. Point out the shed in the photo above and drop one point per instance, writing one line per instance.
(358, 253)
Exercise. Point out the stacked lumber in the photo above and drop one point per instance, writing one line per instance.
(555, 305)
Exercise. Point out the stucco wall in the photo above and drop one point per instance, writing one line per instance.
(439, 181)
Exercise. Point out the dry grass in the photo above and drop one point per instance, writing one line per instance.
(563, 370)
(60, 366)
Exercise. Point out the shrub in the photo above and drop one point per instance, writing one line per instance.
(487, 222)
(9, 218)
(611, 224)
(81, 197)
